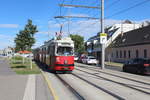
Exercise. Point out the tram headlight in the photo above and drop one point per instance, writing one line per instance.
(57, 59)
(65, 62)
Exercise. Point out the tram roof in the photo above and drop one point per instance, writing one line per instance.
(66, 39)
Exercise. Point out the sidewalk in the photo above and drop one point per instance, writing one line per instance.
(5, 68)
(12, 86)
(21, 87)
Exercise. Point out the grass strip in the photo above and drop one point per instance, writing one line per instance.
(20, 68)
(114, 64)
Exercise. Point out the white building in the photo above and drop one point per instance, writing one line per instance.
(132, 44)
(93, 46)
(1, 52)
(115, 30)
(8, 52)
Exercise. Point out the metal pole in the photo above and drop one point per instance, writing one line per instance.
(31, 62)
(102, 31)
(23, 59)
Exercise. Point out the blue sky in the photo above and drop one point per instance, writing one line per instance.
(15, 13)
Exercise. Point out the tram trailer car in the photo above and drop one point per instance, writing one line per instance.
(58, 55)
(36, 54)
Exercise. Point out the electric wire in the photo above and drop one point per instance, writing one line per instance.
(127, 9)
(112, 4)
(122, 11)
(88, 11)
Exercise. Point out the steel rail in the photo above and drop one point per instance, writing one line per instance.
(106, 91)
(117, 76)
(70, 88)
(125, 85)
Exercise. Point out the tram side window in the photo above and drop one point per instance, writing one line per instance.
(48, 50)
(52, 50)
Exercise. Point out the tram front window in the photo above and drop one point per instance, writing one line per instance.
(65, 51)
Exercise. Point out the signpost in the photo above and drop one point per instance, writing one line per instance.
(103, 38)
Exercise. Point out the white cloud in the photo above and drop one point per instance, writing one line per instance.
(85, 28)
(5, 36)
(42, 32)
(88, 28)
(9, 25)
(78, 14)
(6, 40)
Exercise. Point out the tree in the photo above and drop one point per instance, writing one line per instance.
(25, 38)
(79, 43)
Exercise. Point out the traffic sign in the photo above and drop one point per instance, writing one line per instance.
(103, 38)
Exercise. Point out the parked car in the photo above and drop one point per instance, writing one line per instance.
(137, 65)
(76, 58)
(80, 58)
(89, 60)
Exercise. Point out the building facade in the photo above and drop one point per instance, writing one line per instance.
(1, 52)
(93, 45)
(132, 44)
(8, 51)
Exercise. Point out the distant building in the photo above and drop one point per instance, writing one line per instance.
(1, 52)
(132, 44)
(8, 51)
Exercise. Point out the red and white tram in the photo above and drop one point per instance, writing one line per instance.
(58, 55)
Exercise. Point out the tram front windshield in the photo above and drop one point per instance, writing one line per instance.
(65, 51)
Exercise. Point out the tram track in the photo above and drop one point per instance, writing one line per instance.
(67, 84)
(70, 88)
(131, 79)
(110, 80)
(106, 91)
(79, 95)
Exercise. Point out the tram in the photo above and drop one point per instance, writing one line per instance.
(58, 55)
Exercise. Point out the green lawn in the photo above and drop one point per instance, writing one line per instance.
(114, 64)
(20, 68)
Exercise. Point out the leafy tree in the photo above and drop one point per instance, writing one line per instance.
(25, 38)
(79, 43)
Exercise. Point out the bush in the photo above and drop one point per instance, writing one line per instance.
(17, 57)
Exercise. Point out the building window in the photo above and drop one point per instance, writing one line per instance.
(129, 53)
(120, 54)
(116, 54)
(124, 54)
(145, 53)
(112, 55)
(137, 54)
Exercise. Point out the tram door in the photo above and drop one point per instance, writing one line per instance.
(52, 57)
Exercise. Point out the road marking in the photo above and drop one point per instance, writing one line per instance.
(30, 88)
(50, 86)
